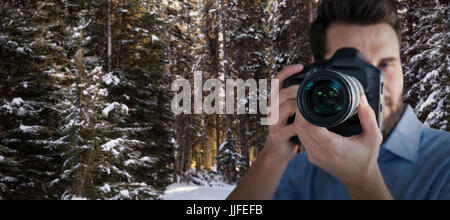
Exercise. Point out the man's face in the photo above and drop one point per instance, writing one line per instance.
(379, 46)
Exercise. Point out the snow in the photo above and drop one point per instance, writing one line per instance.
(110, 145)
(20, 50)
(123, 108)
(124, 173)
(103, 92)
(17, 102)
(13, 43)
(149, 159)
(179, 191)
(222, 145)
(110, 107)
(8, 179)
(437, 116)
(78, 198)
(430, 100)
(131, 162)
(125, 193)
(104, 169)
(154, 38)
(30, 129)
(76, 35)
(106, 188)
(2, 158)
(430, 76)
(110, 78)
(141, 30)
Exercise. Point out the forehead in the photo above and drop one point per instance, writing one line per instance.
(375, 42)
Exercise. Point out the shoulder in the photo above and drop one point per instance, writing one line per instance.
(435, 138)
(436, 144)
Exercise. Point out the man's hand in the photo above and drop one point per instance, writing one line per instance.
(352, 160)
(261, 181)
(278, 144)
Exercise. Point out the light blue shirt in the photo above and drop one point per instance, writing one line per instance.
(414, 161)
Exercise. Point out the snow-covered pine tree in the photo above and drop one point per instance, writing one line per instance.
(426, 62)
(248, 57)
(288, 24)
(143, 86)
(184, 60)
(211, 66)
(230, 163)
(30, 149)
(84, 127)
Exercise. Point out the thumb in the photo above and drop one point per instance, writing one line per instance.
(371, 131)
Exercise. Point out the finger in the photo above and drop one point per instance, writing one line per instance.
(312, 148)
(287, 110)
(319, 135)
(368, 121)
(288, 72)
(285, 95)
(288, 131)
(288, 94)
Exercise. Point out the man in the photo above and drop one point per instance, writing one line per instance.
(406, 161)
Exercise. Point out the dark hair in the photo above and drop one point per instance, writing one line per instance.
(361, 12)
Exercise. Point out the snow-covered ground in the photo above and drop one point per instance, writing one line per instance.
(194, 192)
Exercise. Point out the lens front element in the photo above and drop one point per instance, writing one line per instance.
(325, 98)
(328, 98)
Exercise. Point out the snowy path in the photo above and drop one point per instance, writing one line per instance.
(194, 192)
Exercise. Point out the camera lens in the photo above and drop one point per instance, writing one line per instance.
(327, 99)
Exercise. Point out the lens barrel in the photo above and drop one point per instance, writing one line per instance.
(328, 98)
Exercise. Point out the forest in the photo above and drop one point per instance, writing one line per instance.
(85, 88)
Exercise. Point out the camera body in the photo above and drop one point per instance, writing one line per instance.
(329, 92)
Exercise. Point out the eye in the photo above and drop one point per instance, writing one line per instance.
(384, 65)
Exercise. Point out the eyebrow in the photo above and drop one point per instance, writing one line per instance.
(389, 59)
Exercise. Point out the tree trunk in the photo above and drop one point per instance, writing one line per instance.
(109, 52)
(206, 156)
(217, 62)
(123, 51)
(217, 133)
(243, 138)
(311, 20)
(179, 154)
(225, 59)
(187, 158)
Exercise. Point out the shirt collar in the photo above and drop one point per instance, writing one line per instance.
(404, 140)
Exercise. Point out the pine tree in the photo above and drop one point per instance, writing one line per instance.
(230, 163)
(184, 59)
(116, 123)
(30, 150)
(427, 64)
(287, 25)
(83, 125)
(144, 87)
(248, 59)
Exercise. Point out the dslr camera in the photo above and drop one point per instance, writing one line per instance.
(330, 90)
